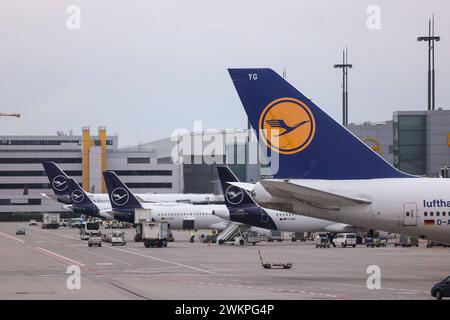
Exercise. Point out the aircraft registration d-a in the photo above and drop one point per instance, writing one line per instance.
(326, 172)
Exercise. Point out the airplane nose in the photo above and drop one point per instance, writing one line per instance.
(222, 213)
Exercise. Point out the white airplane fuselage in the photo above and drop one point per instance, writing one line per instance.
(177, 198)
(201, 216)
(417, 207)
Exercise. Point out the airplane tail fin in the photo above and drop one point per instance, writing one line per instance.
(310, 144)
(234, 196)
(77, 195)
(57, 178)
(120, 196)
(242, 208)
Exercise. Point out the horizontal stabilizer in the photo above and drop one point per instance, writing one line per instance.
(312, 195)
(243, 185)
(49, 196)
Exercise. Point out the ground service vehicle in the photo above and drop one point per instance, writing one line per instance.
(270, 265)
(441, 289)
(155, 234)
(75, 222)
(251, 237)
(50, 221)
(298, 236)
(274, 235)
(375, 242)
(20, 231)
(32, 223)
(95, 240)
(321, 240)
(64, 223)
(344, 240)
(89, 228)
(118, 238)
(406, 241)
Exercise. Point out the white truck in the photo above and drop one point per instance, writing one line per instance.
(90, 228)
(50, 221)
(155, 234)
(344, 240)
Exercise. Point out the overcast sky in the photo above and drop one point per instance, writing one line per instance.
(145, 68)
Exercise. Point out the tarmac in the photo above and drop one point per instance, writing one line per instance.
(35, 266)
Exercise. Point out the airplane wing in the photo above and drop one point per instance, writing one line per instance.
(286, 189)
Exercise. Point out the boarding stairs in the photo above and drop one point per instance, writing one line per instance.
(230, 232)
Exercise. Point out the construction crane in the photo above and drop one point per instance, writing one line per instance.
(17, 115)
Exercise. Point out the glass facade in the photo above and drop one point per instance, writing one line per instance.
(37, 142)
(143, 172)
(36, 173)
(138, 160)
(236, 160)
(203, 178)
(410, 143)
(39, 160)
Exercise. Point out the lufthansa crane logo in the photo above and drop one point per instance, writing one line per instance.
(77, 196)
(234, 195)
(59, 183)
(119, 196)
(287, 125)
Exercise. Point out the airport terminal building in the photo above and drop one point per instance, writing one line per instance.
(85, 157)
(417, 142)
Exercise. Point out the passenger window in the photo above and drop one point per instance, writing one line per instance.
(407, 214)
(431, 214)
(443, 214)
(425, 214)
(437, 214)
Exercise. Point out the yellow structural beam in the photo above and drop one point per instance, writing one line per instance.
(102, 139)
(86, 146)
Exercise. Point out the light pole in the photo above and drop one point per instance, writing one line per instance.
(344, 66)
(431, 38)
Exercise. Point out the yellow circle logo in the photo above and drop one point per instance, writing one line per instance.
(373, 144)
(287, 125)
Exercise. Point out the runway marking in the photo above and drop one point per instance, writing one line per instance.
(261, 288)
(51, 253)
(57, 234)
(45, 238)
(104, 263)
(11, 237)
(406, 291)
(78, 247)
(166, 261)
(151, 270)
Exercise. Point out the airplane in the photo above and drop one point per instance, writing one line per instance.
(83, 204)
(243, 209)
(326, 172)
(58, 181)
(124, 204)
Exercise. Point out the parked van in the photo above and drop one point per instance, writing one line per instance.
(344, 240)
